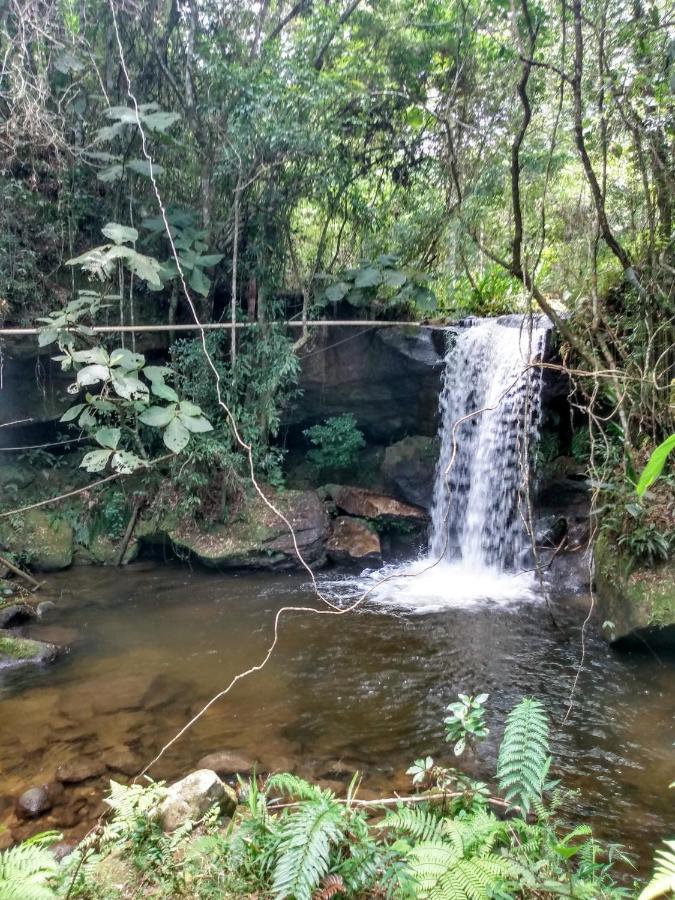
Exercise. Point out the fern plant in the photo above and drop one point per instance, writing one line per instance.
(524, 759)
(26, 871)
(663, 882)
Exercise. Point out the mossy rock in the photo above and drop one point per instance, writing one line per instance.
(254, 539)
(17, 651)
(43, 542)
(101, 551)
(632, 599)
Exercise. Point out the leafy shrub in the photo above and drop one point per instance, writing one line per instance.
(336, 442)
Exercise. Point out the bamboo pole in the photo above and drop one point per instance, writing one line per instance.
(218, 326)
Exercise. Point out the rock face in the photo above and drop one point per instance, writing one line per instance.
(389, 378)
(47, 542)
(257, 538)
(410, 466)
(633, 601)
(370, 505)
(353, 540)
(193, 796)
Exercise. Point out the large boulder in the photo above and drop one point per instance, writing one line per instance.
(256, 538)
(356, 501)
(388, 377)
(193, 796)
(410, 466)
(633, 600)
(353, 540)
(19, 651)
(45, 542)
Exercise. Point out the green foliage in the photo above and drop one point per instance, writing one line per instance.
(495, 293)
(336, 442)
(655, 465)
(663, 882)
(466, 721)
(379, 285)
(27, 870)
(524, 755)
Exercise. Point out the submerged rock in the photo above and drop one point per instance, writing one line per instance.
(11, 613)
(193, 796)
(410, 466)
(225, 763)
(80, 770)
(18, 651)
(633, 600)
(354, 540)
(367, 504)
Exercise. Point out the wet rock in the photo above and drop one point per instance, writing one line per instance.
(367, 504)
(633, 601)
(257, 539)
(225, 763)
(550, 530)
(13, 613)
(101, 551)
(124, 761)
(120, 694)
(79, 770)
(47, 542)
(164, 691)
(353, 540)
(410, 466)
(46, 606)
(192, 796)
(18, 651)
(34, 802)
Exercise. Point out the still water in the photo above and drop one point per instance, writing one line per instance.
(150, 644)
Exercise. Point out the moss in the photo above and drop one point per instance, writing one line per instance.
(37, 539)
(14, 649)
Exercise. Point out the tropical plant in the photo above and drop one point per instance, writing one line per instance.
(379, 285)
(27, 871)
(336, 442)
(655, 465)
(466, 722)
(524, 759)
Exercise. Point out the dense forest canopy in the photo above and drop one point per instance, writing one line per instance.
(406, 159)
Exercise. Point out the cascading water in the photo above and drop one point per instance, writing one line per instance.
(490, 414)
(490, 409)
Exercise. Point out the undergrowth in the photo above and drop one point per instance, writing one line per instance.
(452, 840)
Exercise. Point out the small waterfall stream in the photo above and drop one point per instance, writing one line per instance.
(480, 506)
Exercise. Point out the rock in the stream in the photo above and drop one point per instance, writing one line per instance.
(34, 802)
(46, 542)
(367, 504)
(123, 760)
(62, 849)
(410, 465)
(225, 764)
(255, 539)
(353, 540)
(18, 651)
(193, 796)
(44, 607)
(80, 770)
(13, 613)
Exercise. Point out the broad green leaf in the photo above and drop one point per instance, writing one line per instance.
(72, 413)
(157, 373)
(124, 462)
(195, 424)
(126, 359)
(394, 277)
(92, 375)
(211, 260)
(120, 234)
(129, 387)
(655, 465)
(190, 409)
(125, 114)
(158, 416)
(369, 277)
(87, 419)
(96, 355)
(142, 167)
(159, 389)
(160, 121)
(95, 460)
(200, 282)
(336, 292)
(47, 336)
(176, 436)
(108, 437)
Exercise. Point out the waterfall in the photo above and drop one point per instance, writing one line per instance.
(480, 509)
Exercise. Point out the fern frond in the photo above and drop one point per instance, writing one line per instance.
(419, 824)
(472, 879)
(476, 834)
(304, 849)
(294, 786)
(663, 882)
(524, 754)
(330, 886)
(429, 862)
(25, 870)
